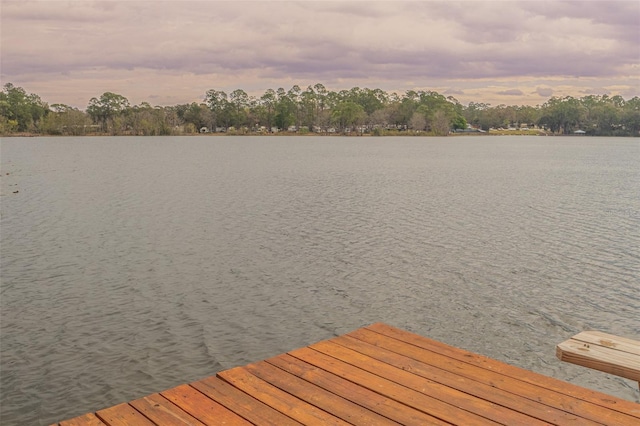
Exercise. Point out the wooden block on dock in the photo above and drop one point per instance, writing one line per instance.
(604, 352)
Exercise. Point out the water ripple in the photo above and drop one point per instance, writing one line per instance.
(131, 265)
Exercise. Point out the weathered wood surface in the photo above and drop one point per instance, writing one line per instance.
(604, 352)
(376, 375)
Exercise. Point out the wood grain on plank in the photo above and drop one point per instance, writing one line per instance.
(163, 412)
(343, 408)
(89, 419)
(123, 415)
(286, 403)
(241, 403)
(202, 407)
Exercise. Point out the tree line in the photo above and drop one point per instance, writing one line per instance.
(314, 110)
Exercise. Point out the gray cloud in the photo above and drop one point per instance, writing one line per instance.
(394, 43)
(596, 91)
(544, 91)
(511, 92)
(630, 92)
(454, 92)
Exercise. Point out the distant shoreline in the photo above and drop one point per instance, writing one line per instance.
(407, 134)
(318, 112)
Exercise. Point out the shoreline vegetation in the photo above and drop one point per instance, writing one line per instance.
(317, 111)
(387, 133)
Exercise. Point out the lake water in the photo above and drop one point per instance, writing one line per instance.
(131, 265)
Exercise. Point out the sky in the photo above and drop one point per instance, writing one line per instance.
(172, 52)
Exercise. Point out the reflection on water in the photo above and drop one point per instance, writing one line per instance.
(131, 265)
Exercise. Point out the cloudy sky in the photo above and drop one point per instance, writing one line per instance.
(171, 52)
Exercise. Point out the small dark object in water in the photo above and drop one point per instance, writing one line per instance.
(15, 192)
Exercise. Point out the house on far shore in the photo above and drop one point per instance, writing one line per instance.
(470, 129)
(579, 132)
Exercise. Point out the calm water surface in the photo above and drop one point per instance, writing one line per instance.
(131, 265)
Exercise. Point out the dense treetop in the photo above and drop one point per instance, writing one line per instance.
(315, 110)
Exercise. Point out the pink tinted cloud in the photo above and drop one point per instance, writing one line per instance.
(256, 44)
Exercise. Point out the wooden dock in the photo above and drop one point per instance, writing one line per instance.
(376, 375)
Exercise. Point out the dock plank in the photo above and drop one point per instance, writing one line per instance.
(161, 411)
(282, 401)
(89, 419)
(343, 408)
(123, 415)
(242, 404)
(202, 407)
